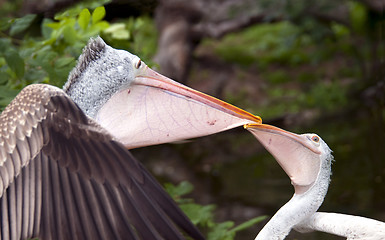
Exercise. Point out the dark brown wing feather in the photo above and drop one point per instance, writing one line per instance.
(63, 177)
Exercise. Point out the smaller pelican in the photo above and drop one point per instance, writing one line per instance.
(307, 160)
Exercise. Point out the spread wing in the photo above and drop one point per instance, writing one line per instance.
(63, 177)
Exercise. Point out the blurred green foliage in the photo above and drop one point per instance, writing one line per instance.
(204, 215)
(265, 44)
(290, 56)
(10, 7)
(48, 54)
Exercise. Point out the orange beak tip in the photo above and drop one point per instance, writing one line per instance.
(251, 125)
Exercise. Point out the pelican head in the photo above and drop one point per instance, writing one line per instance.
(101, 72)
(302, 157)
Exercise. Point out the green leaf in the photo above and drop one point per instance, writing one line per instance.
(3, 78)
(340, 30)
(358, 16)
(5, 44)
(70, 13)
(21, 24)
(199, 214)
(45, 29)
(69, 34)
(248, 224)
(35, 75)
(100, 26)
(118, 31)
(98, 14)
(5, 23)
(84, 18)
(53, 25)
(7, 92)
(64, 61)
(46, 58)
(15, 62)
(221, 232)
(6, 95)
(121, 34)
(179, 190)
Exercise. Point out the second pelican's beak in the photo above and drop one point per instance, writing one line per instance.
(298, 155)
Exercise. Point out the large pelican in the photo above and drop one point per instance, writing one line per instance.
(307, 160)
(65, 172)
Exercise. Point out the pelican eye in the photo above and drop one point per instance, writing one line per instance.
(138, 64)
(315, 139)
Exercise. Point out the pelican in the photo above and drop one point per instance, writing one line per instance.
(65, 172)
(307, 160)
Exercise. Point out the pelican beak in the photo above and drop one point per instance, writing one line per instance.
(296, 154)
(153, 79)
(154, 109)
